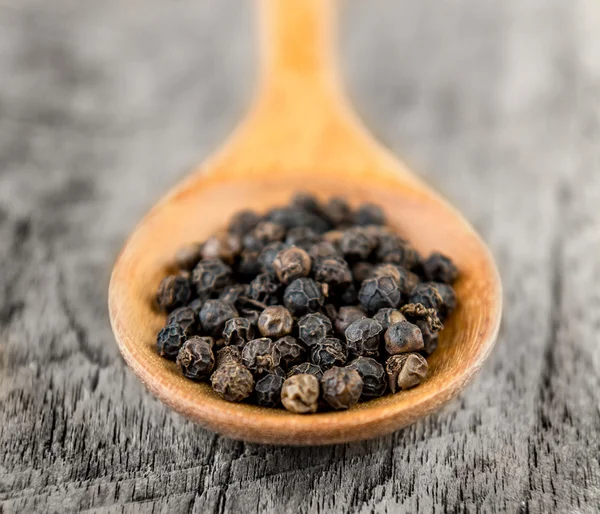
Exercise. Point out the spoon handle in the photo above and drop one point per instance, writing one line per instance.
(296, 37)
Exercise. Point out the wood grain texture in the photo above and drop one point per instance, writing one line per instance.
(105, 105)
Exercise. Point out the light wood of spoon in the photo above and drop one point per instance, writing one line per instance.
(302, 135)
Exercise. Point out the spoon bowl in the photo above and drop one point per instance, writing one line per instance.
(301, 135)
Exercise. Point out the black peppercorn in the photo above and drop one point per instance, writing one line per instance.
(210, 276)
(291, 263)
(341, 387)
(379, 292)
(275, 321)
(439, 268)
(264, 289)
(267, 390)
(427, 295)
(268, 254)
(387, 317)
(238, 331)
(430, 337)
(395, 250)
(356, 244)
(346, 316)
(224, 246)
(300, 393)
(267, 232)
(243, 222)
(232, 381)
(363, 337)
(405, 371)
(188, 256)
(196, 305)
(322, 250)
(174, 291)
(333, 270)
(328, 352)
(186, 318)
(448, 297)
(373, 376)
(303, 295)
(228, 354)
(338, 211)
(195, 358)
(362, 271)
(306, 368)
(260, 355)
(231, 294)
(214, 315)
(249, 264)
(169, 341)
(252, 315)
(370, 214)
(306, 201)
(290, 352)
(302, 237)
(313, 328)
(403, 337)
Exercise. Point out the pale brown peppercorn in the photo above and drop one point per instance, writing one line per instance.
(300, 394)
(405, 371)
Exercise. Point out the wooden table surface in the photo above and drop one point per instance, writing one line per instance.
(104, 105)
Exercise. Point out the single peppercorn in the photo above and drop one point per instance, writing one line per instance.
(169, 341)
(264, 289)
(214, 315)
(231, 294)
(341, 387)
(238, 331)
(379, 292)
(210, 276)
(232, 381)
(328, 352)
(363, 337)
(267, 390)
(414, 312)
(303, 295)
(268, 255)
(313, 328)
(228, 354)
(338, 211)
(306, 201)
(448, 296)
(369, 214)
(427, 295)
(346, 316)
(224, 246)
(243, 222)
(356, 244)
(300, 393)
(430, 337)
(439, 268)
(362, 271)
(333, 270)
(249, 264)
(291, 263)
(267, 232)
(405, 371)
(323, 250)
(195, 358)
(403, 337)
(252, 315)
(387, 317)
(275, 321)
(306, 368)
(290, 351)
(373, 376)
(186, 318)
(174, 291)
(188, 256)
(260, 355)
(302, 237)
(395, 250)
(391, 270)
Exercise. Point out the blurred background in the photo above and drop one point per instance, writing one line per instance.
(105, 105)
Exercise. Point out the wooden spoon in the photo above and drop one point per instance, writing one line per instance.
(301, 135)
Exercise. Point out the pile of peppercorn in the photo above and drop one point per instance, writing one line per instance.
(310, 306)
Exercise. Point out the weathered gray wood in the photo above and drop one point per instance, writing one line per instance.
(103, 105)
